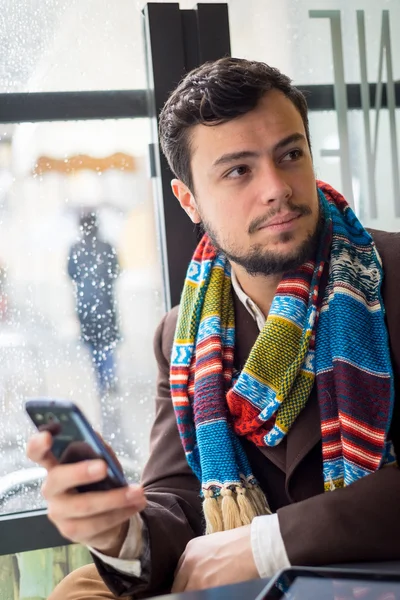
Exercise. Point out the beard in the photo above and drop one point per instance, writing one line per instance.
(263, 261)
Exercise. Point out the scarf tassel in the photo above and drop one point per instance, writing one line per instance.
(233, 507)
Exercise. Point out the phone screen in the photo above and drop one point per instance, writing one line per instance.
(301, 584)
(74, 439)
(310, 588)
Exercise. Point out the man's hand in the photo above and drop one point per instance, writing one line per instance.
(97, 519)
(216, 559)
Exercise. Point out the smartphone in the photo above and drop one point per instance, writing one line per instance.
(74, 439)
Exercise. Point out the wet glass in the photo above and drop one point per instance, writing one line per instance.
(295, 37)
(284, 35)
(80, 287)
(71, 45)
(324, 138)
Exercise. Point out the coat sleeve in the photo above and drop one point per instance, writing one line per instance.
(174, 514)
(359, 523)
(362, 521)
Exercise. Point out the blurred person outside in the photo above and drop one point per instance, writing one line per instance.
(93, 267)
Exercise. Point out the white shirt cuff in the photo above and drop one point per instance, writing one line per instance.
(267, 544)
(127, 561)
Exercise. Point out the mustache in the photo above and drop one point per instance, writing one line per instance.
(300, 209)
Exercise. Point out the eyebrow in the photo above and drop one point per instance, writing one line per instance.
(242, 155)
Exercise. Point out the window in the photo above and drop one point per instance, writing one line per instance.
(55, 179)
(70, 45)
(295, 38)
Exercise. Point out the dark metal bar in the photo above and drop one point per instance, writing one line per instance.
(165, 69)
(71, 106)
(21, 532)
(321, 97)
(189, 34)
(213, 31)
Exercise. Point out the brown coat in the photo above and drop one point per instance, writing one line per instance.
(357, 523)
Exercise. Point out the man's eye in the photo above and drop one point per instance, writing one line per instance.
(237, 172)
(293, 155)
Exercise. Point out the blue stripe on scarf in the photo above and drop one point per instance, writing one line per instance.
(364, 356)
(212, 325)
(288, 305)
(216, 437)
(259, 394)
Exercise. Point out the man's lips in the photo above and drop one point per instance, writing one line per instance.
(281, 220)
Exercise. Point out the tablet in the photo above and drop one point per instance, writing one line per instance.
(312, 583)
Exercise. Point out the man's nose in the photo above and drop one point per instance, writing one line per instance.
(274, 187)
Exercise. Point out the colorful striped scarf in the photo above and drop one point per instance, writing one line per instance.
(333, 338)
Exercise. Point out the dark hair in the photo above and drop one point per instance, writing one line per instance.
(217, 92)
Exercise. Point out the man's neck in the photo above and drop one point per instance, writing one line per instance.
(261, 289)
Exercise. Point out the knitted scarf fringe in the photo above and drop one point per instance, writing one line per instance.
(233, 507)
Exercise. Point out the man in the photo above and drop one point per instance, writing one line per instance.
(282, 384)
(93, 267)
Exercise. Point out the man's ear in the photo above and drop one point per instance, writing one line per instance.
(186, 199)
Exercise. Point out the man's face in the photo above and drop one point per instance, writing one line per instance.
(254, 187)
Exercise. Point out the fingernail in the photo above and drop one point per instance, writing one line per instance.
(96, 467)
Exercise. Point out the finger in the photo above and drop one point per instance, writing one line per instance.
(38, 449)
(95, 529)
(63, 478)
(90, 504)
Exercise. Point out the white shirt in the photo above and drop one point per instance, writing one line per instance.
(269, 551)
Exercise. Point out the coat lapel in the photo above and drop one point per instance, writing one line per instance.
(303, 435)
